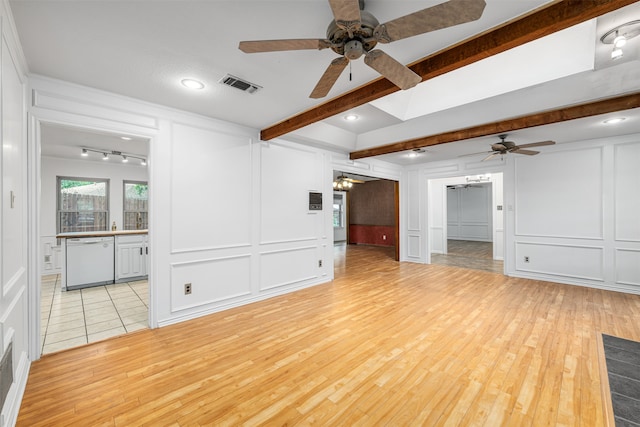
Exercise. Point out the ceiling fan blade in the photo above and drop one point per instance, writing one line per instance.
(394, 71)
(495, 153)
(355, 181)
(475, 154)
(444, 15)
(256, 46)
(527, 152)
(346, 13)
(329, 77)
(536, 144)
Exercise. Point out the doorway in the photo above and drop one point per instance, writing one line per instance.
(366, 211)
(466, 222)
(90, 181)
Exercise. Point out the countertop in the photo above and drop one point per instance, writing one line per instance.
(75, 235)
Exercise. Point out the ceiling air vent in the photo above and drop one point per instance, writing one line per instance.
(238, 83)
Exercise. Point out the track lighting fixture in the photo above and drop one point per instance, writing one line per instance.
(619, 36)
(106, 153)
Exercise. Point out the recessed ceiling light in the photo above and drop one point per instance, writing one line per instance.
(126, 138)
(614, 120)
(192, 84)
(351, 117)
(416, 152)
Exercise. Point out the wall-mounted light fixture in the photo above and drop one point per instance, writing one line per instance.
(106, 153)
(619, 36)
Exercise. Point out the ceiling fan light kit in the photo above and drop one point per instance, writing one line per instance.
(355, 32)
(344, 183)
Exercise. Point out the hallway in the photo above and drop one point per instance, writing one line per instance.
(469, 254)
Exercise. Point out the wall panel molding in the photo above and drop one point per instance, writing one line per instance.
(565, 260)
(555, 188)
(413, 246)
(626, 179)
(285, 267)
(213, 280)
(69, 104)
(627, 267)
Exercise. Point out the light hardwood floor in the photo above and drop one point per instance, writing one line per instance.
(386, 343)
(469, 254)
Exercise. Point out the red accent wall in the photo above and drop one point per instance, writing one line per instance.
(372, 213)
(372, 235)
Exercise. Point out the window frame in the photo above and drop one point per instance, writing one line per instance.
(59, 210)
(124, 203)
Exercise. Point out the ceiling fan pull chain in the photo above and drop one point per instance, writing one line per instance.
(349, 70)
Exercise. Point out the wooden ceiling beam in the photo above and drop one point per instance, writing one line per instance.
(535, 25)
(604, 106)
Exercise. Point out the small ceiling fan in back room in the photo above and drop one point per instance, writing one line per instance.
(504, 147)
(354, 32)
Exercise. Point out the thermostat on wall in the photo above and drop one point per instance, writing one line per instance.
(315, 201)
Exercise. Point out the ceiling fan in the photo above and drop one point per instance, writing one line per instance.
(344, 183)
(355, 32)
(503, 147)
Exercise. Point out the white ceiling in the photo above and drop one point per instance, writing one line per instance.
(143, 49)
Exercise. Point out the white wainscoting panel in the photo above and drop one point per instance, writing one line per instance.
(413, 246)
(436, 240)
(627, 198)
(559, 194)
(210, 189)
(212, 280)
(579, 262)
(287, 175)
(288, 266)
(628, 266)
(413, 201)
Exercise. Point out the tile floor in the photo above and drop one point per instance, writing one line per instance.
(82, 316)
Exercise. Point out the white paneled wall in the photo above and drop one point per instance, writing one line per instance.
(229, 214)
(211, 189)
(560, 194)
(287, 174)
(570, 214)
(14, 219)
(576, 214)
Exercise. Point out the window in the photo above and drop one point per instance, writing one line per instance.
(135, 205)
(338, 212)
(83, 204)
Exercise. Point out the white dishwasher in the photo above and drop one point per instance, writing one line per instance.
(89, 261)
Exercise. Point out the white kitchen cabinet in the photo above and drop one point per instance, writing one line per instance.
(131, 257)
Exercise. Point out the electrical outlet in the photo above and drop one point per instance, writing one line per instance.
(384, 237)
(319, 263)
(187, 288)
(526, 259)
